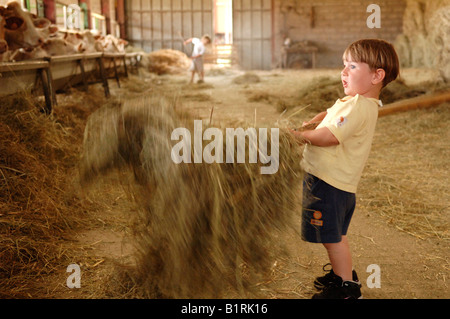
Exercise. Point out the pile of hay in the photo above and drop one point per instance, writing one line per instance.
(323, 92)
(37, 166)
(281, 102)
(247, 78)
(406, 180)
(166, 61)
(203, 228)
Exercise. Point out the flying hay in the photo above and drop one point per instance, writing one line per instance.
(202, 229)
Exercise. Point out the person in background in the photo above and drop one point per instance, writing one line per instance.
(197, 56)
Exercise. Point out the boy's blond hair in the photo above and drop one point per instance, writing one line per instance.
(378, 54)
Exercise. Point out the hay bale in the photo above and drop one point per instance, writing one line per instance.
(403, 49)
(166, 61)
(426, 29)
(200, 226)
(247, 78)
(439, 34)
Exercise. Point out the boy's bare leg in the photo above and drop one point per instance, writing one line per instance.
(340, 258)
(192, 77)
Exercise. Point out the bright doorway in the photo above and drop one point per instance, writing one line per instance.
(223, 22)
(223, 33)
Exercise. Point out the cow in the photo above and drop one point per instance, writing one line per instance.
(20, 31)
(92, 44)
(23, 36)
(121, 44)
(111, 44)
(44, 27)
(51, 47)
(3, 43)
(58, 46)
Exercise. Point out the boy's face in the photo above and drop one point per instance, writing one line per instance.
(357, 78)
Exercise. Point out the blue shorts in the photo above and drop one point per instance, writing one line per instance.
(326, 212)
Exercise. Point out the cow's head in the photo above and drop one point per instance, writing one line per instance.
(20, 30)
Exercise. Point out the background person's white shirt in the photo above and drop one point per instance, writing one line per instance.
(199, 48)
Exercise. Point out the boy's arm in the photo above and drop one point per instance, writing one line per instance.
(188, 41)
(316, 119)
(319, 137)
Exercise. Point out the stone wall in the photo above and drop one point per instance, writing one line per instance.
(332, 25)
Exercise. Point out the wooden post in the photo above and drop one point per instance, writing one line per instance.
(125, 69)
(83, 75)
(50, 10)
(48, 73)
(120, 17)
(107, 14)
(46, 85)
(116, 74)
(86, 6)
(424, 101)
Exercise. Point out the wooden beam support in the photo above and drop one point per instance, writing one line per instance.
(424, 101)
(50, 10)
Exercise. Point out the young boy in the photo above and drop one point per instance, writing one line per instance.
(334, 158)
(197, 56)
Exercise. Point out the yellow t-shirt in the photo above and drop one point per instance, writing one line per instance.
(352, 121)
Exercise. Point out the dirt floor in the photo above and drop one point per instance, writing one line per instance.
(414, 262)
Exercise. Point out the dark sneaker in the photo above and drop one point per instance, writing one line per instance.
(324, 281)
(340, 290)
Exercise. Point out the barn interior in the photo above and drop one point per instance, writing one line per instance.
(74, 191)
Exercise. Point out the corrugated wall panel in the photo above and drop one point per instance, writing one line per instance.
(157, 24)
(252, 33)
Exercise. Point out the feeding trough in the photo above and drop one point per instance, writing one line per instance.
(58, 72)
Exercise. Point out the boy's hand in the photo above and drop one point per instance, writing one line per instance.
(298, 136)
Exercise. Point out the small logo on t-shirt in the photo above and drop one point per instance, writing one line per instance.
(341, 121)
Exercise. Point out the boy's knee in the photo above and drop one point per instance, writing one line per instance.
(332, 246)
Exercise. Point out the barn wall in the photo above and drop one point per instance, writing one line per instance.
(252, 33)
(157, 24)
(332, 25)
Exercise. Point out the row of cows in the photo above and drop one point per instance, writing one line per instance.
(25, 36)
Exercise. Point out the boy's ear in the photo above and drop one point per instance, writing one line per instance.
(378, 76)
